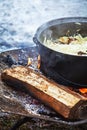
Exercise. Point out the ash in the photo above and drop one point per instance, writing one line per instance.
(16, 100)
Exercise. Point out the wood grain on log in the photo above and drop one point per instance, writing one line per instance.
(64, 101)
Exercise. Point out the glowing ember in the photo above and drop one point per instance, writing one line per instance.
(39, 62)
(29, 61)
(83, 90)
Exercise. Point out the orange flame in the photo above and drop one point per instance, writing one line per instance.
(83, 90)
(39, 61)
(29, 61)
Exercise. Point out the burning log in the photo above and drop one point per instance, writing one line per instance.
(64, 101)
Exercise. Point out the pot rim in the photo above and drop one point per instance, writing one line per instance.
(76, 20)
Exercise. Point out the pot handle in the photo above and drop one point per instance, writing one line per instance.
(35, 41)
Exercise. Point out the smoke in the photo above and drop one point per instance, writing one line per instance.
(19, 19)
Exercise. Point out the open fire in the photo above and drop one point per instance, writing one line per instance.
(31, 58)
(58, 97)
(81, 90)
(39, 61)
(29, 61)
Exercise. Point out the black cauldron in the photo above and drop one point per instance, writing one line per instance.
(66, 69)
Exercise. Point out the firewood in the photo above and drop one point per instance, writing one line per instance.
(60, 98)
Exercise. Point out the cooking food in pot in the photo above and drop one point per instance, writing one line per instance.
(62, 45)
(74, 45)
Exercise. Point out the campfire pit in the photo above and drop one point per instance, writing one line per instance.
(24, 103)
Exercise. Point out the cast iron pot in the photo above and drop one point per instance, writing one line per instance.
(66, 69)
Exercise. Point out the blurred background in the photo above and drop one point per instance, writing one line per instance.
(19, 19)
